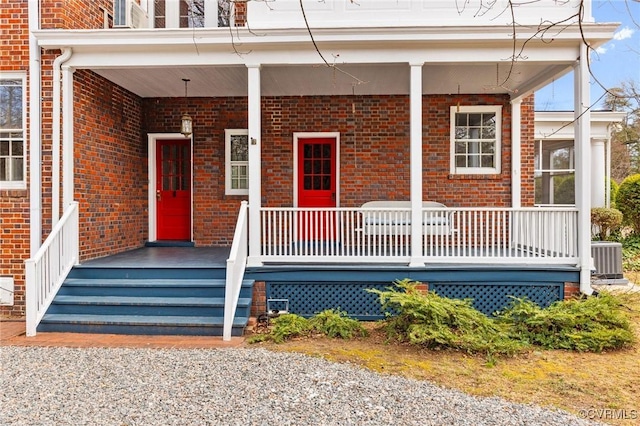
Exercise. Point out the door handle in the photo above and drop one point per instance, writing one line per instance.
(333, 196)
(158, 195)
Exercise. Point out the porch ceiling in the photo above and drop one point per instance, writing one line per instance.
(360, 79)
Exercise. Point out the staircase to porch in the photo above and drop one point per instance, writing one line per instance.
(145, 301)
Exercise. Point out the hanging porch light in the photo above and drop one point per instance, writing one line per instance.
(186, 125)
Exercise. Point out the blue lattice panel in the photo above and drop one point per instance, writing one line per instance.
(491, 297)
(309, 298)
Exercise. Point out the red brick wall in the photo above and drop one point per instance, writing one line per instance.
(374, 151)
(73, 14)
(527, 132)
(214, 212)
(14, 204)
(110, 166)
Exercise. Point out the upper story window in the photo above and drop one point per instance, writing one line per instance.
(191, 13)
(236, 161)
(475, 139)
(554, 172)
(12, 131)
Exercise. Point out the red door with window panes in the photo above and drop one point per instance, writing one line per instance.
(316, 187)
(173, 190)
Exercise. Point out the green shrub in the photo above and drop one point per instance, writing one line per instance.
(613, 192)
(593, 324)
(631, 253)
(426, 319)
(334, 323)
(288, 326)
(605, 221)
(628, 201)
(331, 323)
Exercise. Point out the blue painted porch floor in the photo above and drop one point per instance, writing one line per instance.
(165, 257)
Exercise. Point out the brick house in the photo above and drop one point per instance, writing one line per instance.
(307, 116)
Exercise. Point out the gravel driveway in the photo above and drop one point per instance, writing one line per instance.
(106, 386)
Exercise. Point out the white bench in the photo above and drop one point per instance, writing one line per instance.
(387, 218)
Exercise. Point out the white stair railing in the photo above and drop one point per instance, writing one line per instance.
(49, 267)
(236, 265)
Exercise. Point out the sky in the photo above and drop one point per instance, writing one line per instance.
(616, 61)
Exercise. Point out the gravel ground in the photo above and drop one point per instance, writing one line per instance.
(98, 386)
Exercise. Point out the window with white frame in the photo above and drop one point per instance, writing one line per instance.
(236, 161)
(12, 131)
(475, 139)
(554, 172)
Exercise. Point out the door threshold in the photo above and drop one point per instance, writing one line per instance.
(169, 243)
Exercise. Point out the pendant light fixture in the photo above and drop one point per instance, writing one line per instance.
(186, 127)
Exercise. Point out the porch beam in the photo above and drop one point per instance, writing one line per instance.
(415, 105)
(582, 125)
(255, 166)
(516, 153)
(67, 137)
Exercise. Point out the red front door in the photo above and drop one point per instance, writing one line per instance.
(316, 187)
(173, 190)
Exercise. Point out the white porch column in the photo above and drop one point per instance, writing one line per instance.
(67, 137)
(416, 164)
(255, 167)
(583, 164)
(516, 153)
(598, 180)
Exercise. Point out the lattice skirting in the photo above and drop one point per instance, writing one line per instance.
(307, 299)
(491, 297)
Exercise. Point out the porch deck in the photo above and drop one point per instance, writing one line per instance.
(315, 286)
(164, 257)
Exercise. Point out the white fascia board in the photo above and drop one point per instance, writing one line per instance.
(53, 39)
(165, 56)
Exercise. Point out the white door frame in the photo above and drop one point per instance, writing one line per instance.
(308, 135)
(151, 161)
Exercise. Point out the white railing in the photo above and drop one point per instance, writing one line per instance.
(542, 235)
(504, 234)
(48, 268)
(236, 265)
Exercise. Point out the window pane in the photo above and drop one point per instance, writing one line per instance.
(462, 133)
(488, 147)
(195, 13)
(4, 169)
(10, 104)
(239, 148)
(4, 147)
(18, 172)
(561, 159)
(16, 147)
(487, 161)
(475, 119)
(461, 161)
(461, 119)
(461, 148)
(489, 132)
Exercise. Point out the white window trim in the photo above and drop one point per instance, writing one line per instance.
(228, 190)
(19, 184)
(497, 109)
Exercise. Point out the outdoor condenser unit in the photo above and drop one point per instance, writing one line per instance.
(607, 259)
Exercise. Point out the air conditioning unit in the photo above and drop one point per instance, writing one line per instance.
(607, 259)
(129, 14)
